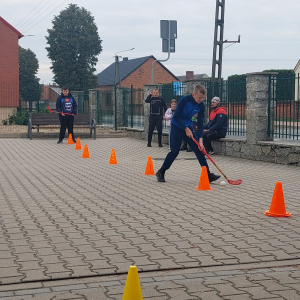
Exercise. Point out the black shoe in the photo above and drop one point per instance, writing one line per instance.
(160, 145)
(189, 150)
(184, 147)
(160, 177)
(210, 152)
(59, 141)
(74, 141)
(148, 145)
(212, 177)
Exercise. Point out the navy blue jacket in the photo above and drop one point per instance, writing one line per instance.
(218, 121)
(66, 104)
(187, 107)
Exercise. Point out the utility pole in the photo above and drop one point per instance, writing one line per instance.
(218, 46)
(117, 75)
(117, 70)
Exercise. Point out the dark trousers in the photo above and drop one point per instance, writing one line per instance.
(176, 137)
(155, 121)
(66, 122)
(209, 136)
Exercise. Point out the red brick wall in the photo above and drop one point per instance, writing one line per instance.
(45, 93)
(142, 75)
(9, 67)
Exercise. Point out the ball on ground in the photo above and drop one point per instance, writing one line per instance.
(223, 183)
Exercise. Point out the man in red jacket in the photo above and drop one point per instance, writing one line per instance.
(216, 128)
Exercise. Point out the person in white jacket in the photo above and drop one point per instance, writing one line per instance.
(168, 116)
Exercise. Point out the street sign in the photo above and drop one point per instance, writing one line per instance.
(168, 34)
(165, 31)
(165, 45)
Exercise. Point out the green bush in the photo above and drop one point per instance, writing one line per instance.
(17, 118)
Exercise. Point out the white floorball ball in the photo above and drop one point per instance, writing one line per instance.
(223, 183)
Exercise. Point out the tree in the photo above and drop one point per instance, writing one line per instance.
(285, 84)
(237, 88)
(30, 89)
(74, 45)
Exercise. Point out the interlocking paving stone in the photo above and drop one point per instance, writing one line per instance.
(114, 216)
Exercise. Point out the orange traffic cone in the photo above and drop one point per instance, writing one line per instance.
(149, 168)
(277, 207)
(78, 145)
(113, 158)
(70, 140)
(204, 181)
(85, 153)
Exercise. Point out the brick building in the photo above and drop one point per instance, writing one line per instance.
(49, 95)
(9, 68)
(135, 72)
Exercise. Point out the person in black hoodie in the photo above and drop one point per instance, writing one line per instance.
(158, 108)
(66, 106)
(216, 128)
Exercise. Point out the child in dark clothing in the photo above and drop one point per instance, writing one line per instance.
(66, 106)
(216, 128)
(181, 125)
(158, 108)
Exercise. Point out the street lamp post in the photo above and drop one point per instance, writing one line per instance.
(117, 74)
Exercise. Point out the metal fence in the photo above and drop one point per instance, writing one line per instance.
(233, 98)
(283, 108)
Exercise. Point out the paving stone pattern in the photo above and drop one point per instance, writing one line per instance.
(65, 217)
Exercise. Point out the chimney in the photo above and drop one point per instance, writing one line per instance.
(125, 58)
(189, 75)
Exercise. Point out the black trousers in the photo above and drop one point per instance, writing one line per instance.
(66, 122)
(155, 121)
(209, 136)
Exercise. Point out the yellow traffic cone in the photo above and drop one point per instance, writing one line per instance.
(132, 289)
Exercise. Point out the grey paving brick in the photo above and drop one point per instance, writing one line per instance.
(114, 217)
(32, 291)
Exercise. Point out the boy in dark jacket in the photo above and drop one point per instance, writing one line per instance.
(216, 128)
(181, 125)
(158, 108)
(66, 106)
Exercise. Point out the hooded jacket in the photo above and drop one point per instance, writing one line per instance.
(218, 121)
(168, 115)
(185, 110)
(66, 104)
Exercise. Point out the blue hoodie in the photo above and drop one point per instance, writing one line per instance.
(185, 110)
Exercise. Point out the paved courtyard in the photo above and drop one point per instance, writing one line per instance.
(71, 227)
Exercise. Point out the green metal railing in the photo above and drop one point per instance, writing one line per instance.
(284, 108)
(233, 98)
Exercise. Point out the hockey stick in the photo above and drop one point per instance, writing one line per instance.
(233, 182)
(58, 112)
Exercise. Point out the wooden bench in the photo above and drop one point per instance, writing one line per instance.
(51, 120)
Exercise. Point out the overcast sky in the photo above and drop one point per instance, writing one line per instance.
(269, 32)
